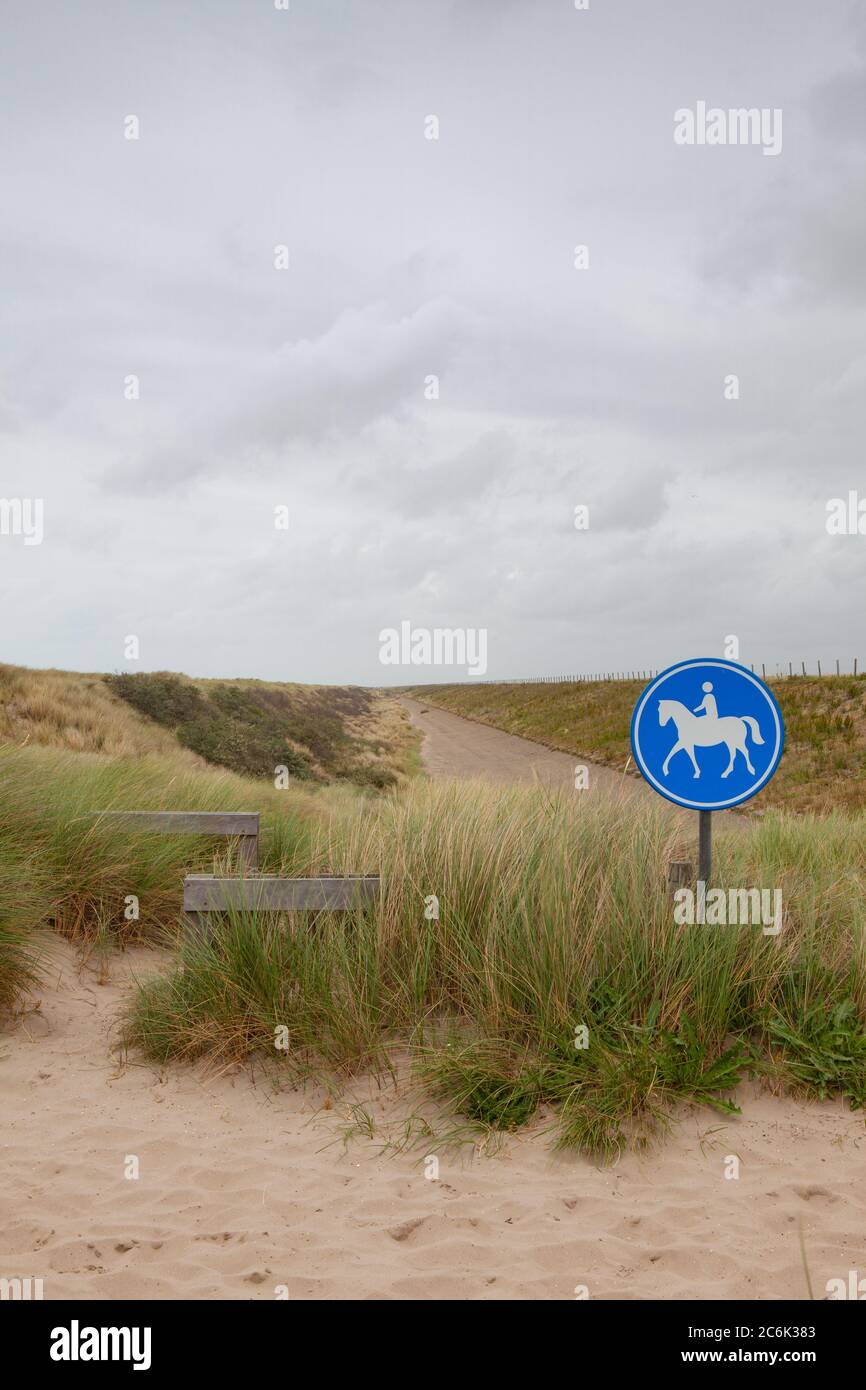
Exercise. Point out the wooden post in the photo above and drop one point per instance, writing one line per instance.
(679, 874)
(201, 924)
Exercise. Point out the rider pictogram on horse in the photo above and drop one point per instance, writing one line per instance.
(703, 728)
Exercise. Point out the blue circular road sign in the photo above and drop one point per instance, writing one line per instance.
(707, 734)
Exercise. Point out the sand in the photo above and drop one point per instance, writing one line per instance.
(246, 1188)
(247, 1191)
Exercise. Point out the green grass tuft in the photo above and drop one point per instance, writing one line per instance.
(553, 916)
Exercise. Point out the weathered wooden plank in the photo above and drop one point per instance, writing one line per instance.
(189, 822)
(203, 893)
(680, 874)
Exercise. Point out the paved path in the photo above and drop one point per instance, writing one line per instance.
(458, 747)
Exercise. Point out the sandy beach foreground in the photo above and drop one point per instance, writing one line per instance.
(246, 1191)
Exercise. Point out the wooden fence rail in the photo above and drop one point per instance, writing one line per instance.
(203, 894)
(240, 825)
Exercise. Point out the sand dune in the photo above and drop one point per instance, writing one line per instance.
(243, 1189)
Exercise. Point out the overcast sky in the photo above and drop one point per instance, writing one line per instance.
(412, 257)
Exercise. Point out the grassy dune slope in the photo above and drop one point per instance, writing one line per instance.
(552, 915)
(320, 733)
(76, 712)
(150, 742)
(823, 767)
(553, 918)
(317, 733)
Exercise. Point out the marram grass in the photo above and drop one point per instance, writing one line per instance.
(553, 918)
(553, 914)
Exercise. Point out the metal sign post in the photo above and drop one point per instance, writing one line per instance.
(705, 845)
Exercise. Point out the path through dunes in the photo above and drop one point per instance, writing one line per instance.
(242, 1189)
(458, 747)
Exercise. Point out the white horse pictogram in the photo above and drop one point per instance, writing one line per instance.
(696, 730)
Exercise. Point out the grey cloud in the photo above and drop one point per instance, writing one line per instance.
(410, 258)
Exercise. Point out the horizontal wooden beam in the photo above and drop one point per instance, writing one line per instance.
(203, 893)
(188, 822)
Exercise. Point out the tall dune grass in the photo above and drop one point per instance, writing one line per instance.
(69, 867)
(74, 711)
(552, 914)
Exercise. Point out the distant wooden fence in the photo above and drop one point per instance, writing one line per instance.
(204, 894)
(776, 672)
(240, 825)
